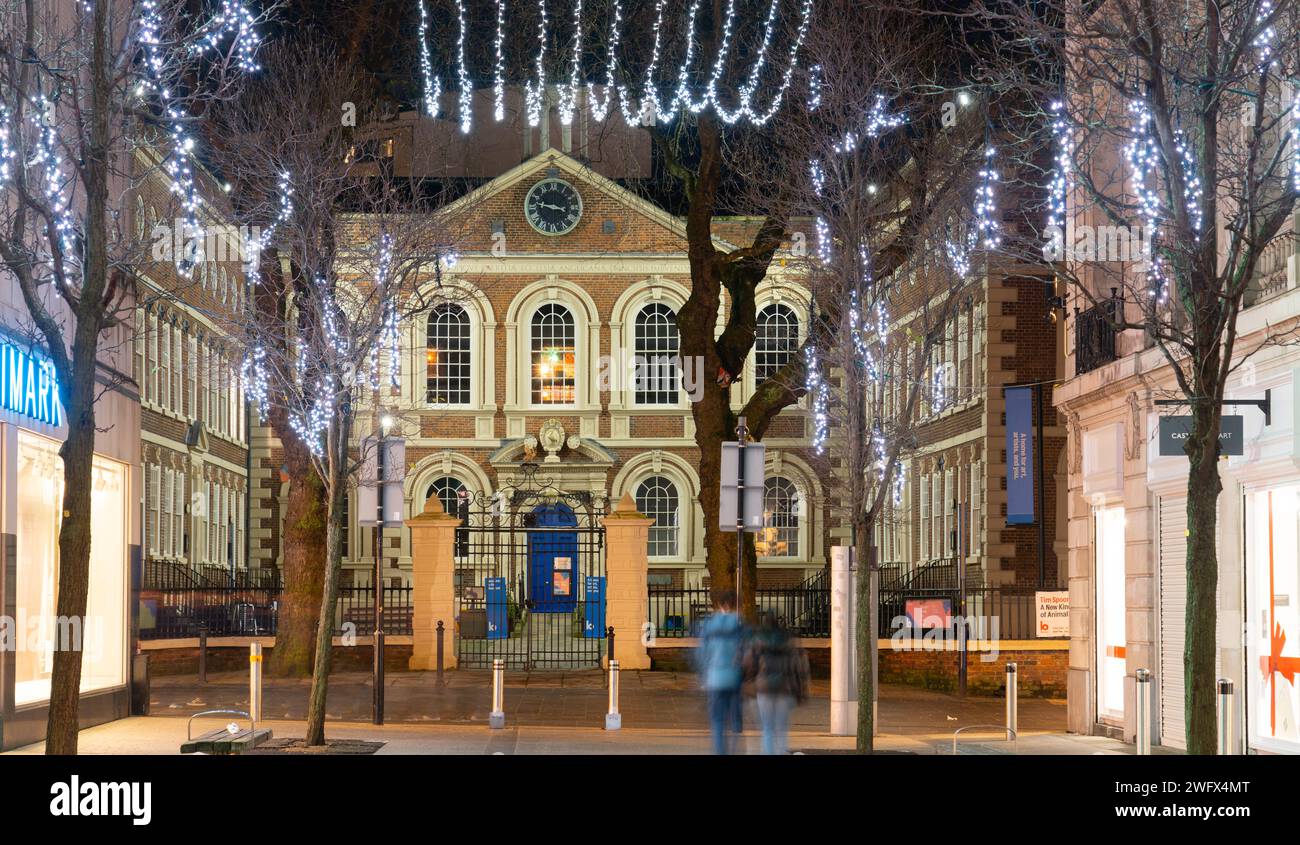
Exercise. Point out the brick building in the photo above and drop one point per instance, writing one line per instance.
(193, 412)
(528, 355)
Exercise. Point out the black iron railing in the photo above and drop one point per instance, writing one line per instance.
(1095, 335)
(990, 613)
(804, 609)
(170, 609)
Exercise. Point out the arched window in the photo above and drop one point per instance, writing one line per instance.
(780, 535)
(554, 374)
(656, 497)
(447, 356)
(775, 340)
(448, 490)
(656, 347)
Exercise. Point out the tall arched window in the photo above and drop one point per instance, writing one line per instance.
(554, 372)
(448, 490)
(780, 535)
(775, 340)
(447, 356)
(656, 497)
(656, 347)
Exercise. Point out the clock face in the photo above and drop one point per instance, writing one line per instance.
(553, 207)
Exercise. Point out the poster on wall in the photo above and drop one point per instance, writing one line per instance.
(1053, 613)
(1020, 456)
(497, 626)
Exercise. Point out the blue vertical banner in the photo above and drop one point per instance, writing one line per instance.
(1020, 456)
(593, 621)
(497, 626)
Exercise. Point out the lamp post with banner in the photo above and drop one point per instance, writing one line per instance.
(380, 503)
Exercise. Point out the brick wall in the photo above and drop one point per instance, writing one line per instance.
(1041, 673)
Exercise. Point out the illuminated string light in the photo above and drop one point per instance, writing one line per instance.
(535, 91)
(499, 69)
(6, 150)
(1059, 186)
(432, 83)
(1295, 140)
(466, 90)
(599, 106)
(569, 94)
(1143, 155)
(820, 393)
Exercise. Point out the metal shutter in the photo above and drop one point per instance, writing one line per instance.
(1173, 610)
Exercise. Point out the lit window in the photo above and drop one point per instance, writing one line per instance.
(775, 340)
(554, 375)
(447, 356)
(656, 349)
(656, 497)
(780, 534)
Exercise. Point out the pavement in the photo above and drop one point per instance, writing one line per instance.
(563, 713)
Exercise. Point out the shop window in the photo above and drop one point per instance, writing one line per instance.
(101, 635)
(1110, 635)
(1273, 618)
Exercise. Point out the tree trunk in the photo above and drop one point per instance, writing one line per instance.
(338, 444)
(78, 452)
(865, 636)
(77, 390)
(304, 556)
(1201, 620)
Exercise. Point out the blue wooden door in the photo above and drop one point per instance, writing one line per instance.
(553, 576)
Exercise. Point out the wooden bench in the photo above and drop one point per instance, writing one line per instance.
(221, 740)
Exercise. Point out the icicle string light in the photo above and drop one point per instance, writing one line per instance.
(1059, 186)
(499, 69)
(535, 91)
(432, 83)
(6, 150)
(466, 90)
(1143, 155)
(650, 106)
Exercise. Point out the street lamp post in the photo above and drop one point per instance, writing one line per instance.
(389, 479)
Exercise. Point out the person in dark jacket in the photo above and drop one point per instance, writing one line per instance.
(779, 670)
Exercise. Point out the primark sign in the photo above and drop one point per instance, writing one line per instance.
(28, 386)
(1174, 432)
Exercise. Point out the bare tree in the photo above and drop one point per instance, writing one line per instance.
(347, 255)
(82, 86)
(1174, 123)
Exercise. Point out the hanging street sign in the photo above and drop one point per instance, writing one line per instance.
(1174, 432)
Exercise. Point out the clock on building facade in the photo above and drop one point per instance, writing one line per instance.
(553, 207)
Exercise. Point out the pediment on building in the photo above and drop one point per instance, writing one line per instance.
(553, 449)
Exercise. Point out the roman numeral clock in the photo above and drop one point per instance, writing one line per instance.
(553, 207)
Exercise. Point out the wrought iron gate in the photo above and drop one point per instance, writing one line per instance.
(530, 578)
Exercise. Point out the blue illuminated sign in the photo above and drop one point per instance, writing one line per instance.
(28, 386)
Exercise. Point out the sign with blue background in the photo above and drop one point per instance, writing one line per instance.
(28, 386)
(593, 621)
(497, 626)
(1020, 456)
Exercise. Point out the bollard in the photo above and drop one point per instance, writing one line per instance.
(203, 654)
(1225, 716)
(1143, 712)
(441, 632)
(255, 682)
(613, 719)
(497, 718)
(609, 639)
(1013, 701)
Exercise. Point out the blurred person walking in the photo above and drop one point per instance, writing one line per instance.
(720, 661)
(779, 669)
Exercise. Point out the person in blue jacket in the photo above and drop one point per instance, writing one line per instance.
(720, 659)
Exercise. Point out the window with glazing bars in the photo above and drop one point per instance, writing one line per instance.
(656, 497)
(448, 491)
(554, 375)
(775, 341)
(780, 535)
(656, 349)
(447, 356)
